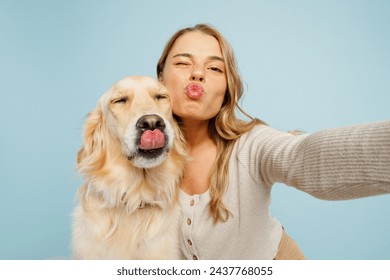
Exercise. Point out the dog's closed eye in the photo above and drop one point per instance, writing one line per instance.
(119, 100)
(160, 96)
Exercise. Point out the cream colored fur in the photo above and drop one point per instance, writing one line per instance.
(128, 205)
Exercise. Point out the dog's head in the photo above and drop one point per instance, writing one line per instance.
(132, 121)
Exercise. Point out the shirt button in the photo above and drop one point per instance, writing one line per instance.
(188, 221)
(189, 242)
(194, 257)
(192, 202)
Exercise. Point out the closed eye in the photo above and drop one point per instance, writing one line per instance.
(160, 96)
(119, 100)
(182, 64)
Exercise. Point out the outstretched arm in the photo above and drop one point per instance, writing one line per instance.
(343, 163)
(333, 164)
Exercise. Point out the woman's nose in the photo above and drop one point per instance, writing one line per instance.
(197, 75)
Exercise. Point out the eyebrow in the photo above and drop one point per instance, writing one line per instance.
(188, 55)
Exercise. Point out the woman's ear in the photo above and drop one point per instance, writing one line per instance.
(92, 155)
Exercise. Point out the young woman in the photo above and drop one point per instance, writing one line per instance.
(225, 191)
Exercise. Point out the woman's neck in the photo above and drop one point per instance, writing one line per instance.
(202, 151)
(196, 133)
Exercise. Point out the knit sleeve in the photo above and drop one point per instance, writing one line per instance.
(333, 164)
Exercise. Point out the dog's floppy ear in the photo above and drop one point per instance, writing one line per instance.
(92, 155)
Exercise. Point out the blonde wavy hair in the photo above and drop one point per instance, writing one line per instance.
(225, 128)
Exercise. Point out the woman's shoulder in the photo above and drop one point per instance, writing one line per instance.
(266, 138)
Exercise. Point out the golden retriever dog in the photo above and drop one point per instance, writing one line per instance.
(132, 160)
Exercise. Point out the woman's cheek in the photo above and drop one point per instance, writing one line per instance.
(175, 100)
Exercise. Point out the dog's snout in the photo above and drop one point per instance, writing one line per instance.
(150, 122)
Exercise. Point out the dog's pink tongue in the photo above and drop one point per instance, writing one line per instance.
(152, 140)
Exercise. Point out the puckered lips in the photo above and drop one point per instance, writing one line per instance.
(194, 91)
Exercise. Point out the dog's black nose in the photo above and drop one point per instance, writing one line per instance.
(150, 122)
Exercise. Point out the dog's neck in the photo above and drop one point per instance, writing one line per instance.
(134, 189)
(142, 205)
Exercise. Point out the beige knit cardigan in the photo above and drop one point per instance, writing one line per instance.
(333, 164)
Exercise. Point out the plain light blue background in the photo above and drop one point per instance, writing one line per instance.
(307, 65)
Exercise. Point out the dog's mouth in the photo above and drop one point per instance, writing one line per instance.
(152, 144)
(150, 153)
(152, 141)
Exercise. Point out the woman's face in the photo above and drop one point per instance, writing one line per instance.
(194, 74)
